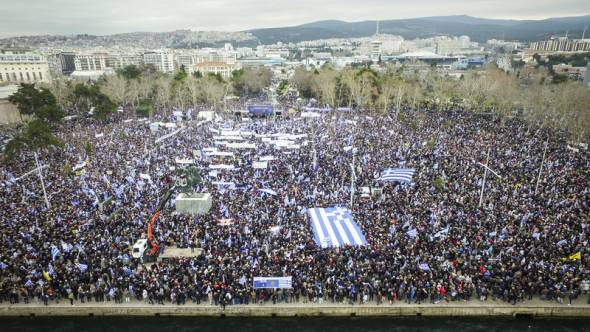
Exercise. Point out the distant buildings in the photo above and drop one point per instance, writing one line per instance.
(90, 62)
(162, 60)
(457, 46)
(215, 67)
(21, 66)
(66, 62)
(561, 44)
(376, 52)
(504, 63)
(574, 73)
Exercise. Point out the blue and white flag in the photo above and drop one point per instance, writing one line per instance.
(335, 227)
(66, 247)
(412, 233)
(54, 252)
(127, 270)
(268, 191)
(272, 282)
(3, 266)
(442, 232)
(424, 267)
(316, 167)
(82, 267)
(398, 175)
(50, 270)
(29, 283)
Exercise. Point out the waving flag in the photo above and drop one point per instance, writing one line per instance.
(225, 222)
(54, 252)
(412, 233)
(268, 191)
(398, 175)
(82, 267)
(576, 256)
(3, 266)
(424, 267)
(335, 227)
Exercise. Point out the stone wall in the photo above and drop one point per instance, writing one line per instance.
(8, 112)
(299, 311)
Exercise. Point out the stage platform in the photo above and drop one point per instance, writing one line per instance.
(174, 252)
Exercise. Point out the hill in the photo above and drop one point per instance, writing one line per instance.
(479, 29)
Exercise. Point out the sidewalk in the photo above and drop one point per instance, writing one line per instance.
(461, 308)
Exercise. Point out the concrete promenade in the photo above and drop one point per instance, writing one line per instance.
(535, 308)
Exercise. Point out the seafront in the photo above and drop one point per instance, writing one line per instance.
(535, 308)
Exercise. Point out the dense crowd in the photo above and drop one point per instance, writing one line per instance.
(521, 242)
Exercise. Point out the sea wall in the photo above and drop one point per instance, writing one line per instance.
(298, 311)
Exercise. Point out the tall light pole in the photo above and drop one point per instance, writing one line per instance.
(42, 182)
(485, 175)
(541, 166)
(352, 178)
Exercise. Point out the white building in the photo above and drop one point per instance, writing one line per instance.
(185, 60)
(22, 66)
(91, 62)
(215, 67)
(121, 60)
(162, 60)
(376, 51)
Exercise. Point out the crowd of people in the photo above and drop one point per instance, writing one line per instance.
(528, 237)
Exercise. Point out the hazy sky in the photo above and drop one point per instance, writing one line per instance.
(28, 17)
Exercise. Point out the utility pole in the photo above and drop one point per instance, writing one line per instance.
(352, 178)
(485, 174)
(42, 182)
(541, 166)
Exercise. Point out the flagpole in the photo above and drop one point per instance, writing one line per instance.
(42, 182)
(485, 174)
(541, 166)
(352, 176)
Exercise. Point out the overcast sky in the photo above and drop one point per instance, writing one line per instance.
(100, 17)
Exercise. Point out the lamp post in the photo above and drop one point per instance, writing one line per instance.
(352, 178)
(42, 182)
(541, 166)
(485, 175)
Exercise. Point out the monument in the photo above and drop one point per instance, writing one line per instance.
(186, 201)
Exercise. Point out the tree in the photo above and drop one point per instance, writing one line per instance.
(303, 80)
(103, 107)
(37, 135)
(130, 72)
(116, 87)
(250, 81)
(324, 86)
(180, 74)
(40, 103)
(213, 90)
(90, 96)
(145, 107)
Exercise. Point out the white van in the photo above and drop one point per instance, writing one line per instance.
(139, 248)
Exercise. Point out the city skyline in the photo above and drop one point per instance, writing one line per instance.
(65, 17)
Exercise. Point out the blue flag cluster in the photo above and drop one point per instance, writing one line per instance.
(335, 227)
(398, 175)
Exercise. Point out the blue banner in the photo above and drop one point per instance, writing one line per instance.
(272, 282)
(260, 109)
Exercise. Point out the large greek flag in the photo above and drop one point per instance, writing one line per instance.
(335, 227)
(398, 174)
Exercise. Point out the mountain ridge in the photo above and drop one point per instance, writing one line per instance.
(479, 29)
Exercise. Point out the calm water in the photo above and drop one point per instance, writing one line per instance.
(181, 324)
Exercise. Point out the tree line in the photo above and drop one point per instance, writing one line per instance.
(145, 89)
(526, 93)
